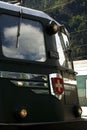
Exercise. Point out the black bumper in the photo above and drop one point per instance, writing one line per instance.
(72, 125)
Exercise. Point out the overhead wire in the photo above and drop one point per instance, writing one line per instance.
(58, 5)
(74, 32)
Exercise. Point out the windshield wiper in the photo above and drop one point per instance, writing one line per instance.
(18, 29)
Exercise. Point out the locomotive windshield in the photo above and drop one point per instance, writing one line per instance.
(22, 39)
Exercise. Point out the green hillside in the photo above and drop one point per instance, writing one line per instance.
(71, 13)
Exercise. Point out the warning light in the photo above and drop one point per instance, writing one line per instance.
(52, 28)
(20, 84)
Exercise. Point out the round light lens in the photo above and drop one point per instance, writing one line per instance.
(23, 113)
(20, 84)
(55, 28)
(80, 111)
(77, 110)
(52, 28)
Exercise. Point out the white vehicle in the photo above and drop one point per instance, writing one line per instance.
(84, 112)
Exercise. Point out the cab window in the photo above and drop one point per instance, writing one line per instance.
(60, 51)
(22, 38)
(62, 44)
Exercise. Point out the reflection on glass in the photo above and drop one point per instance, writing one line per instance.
(31, 39)
(60, 50)
(66, 41)
(26, 76)
(62, 44)
(38, 83)
(67, 48)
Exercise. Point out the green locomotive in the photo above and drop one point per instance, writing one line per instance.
(37, 81)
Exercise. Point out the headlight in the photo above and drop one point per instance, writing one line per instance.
(77, 110)
(23, 113)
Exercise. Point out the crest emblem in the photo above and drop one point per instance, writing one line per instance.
(58, 85)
